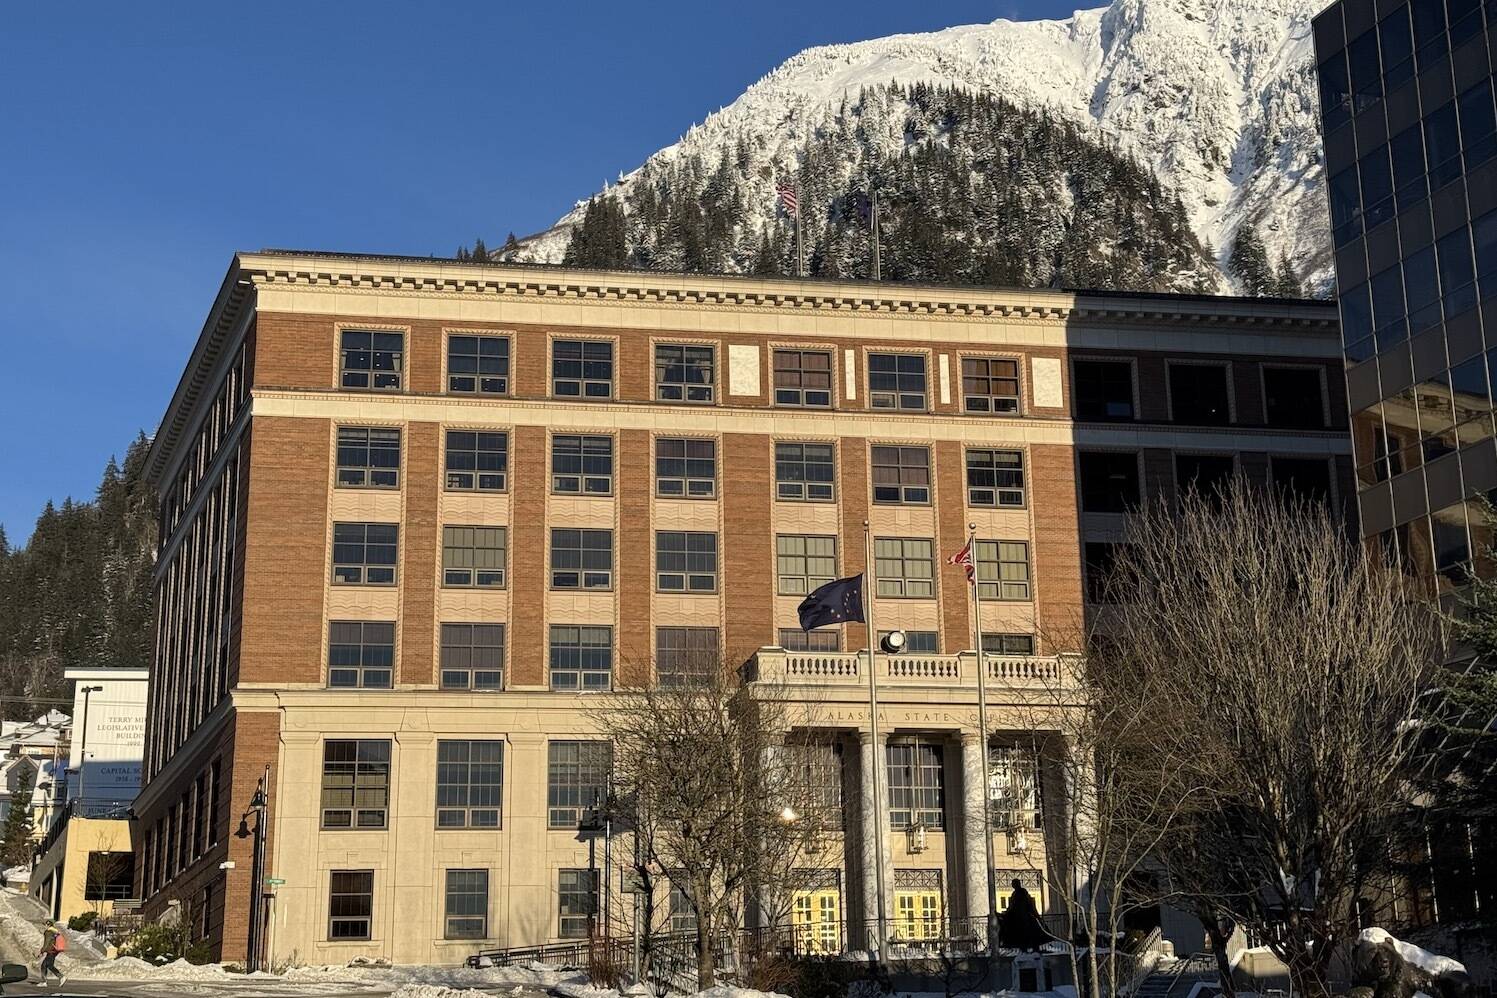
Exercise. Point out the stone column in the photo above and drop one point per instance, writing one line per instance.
(974, 800)
(872, 811)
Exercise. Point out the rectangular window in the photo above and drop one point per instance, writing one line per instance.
(361, 654)
(478, 365)
(821, 639)
(995, 478)
(990, 385)
(372, 361)
(904, 566)
(110, 876)
(917, 784)
(923, 642)
(364, 553)
(816, 778)
(1098, 560)
(1302, 477)
(1207, 474)
(577, 902)
(350, 904)
(467, 904)
(581, 559)
(470, 783)
(1013, 787)
(1292, 397)
(472, 656)
(901, 475)
(576, 779)
(1008, 644)
(685, 562)
(1103, 390)
(803, 378)
(368, 457)
(581, 657)
(355, 783)
(683, 913)
(804, 562)
(474, 557)
(1003, 570)
(896, 381)
(477, 461)
(1109, 481)
(686, 655)
(1198, 394)
(683, 373)
(581, 465)
(805, 472)
(685, 468)
(582, 369)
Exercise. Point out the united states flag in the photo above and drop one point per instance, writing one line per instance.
(788, 198)
(964, 559)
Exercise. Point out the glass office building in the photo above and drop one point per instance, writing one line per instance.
(1406, 91)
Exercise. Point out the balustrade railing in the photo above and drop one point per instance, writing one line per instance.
(907, 669)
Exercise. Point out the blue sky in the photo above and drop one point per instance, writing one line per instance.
(142, 144)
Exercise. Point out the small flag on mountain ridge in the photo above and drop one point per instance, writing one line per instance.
(837, 602)
(788, 198)
(964, 559)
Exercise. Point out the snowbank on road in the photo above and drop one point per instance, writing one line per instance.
(437, 991)
(534, 975)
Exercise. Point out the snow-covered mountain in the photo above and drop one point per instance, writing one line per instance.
(1215, 96)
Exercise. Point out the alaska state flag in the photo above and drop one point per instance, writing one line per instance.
(836, 602)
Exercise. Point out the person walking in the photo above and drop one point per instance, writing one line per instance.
(53, 943)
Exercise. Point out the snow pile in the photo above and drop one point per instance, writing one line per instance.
(437, 991)
(15, 875)
(532, 975)
(1217, 97)
(129, 968)
(1431, 963)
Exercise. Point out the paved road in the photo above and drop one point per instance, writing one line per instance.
(246, 989)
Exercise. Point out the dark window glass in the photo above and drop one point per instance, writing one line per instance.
(1346, 205)
(685, 468)
(1356, 316)
(470, 783)
(805, 472)
(581, 559)
(350, 904)
(467, 904)
(1377, 187)
(364, 553)
(1423, 286)
(685, 561)
(372, 361)
(1104, 389)
(1429, 31)
(917, 784)
(1484, 235)
(1109, 481)
(1478, 124)
(472, 656)
(1335, 92)
(896, 381)
(582, 369)
(361, 654)
(581, 657)
(577, 892)
(1206, 474)
(924, 642)
(355, 783)
(1442, 145)
(1397, 40)
(990, 385)
(803, 378)
(1457, 272)
(995, 478)
(1407, 149)
(581, 465)
(477, 461)
(474, 556)
(1366, 72)
(1098, 560)
(1468, 390)
(1387, 308)
(686, 655)
(368, 457)
(1451, 544)
(823, 639)
(576, 779)
(1292, 397)
(901, 474)
(1465, 19)
(478, 365)
(683, 373)
(1008, 644)
(111, 875)
(1198, 394)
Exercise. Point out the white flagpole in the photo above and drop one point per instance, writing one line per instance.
(800, 253)
(879, 800)
(982, 723)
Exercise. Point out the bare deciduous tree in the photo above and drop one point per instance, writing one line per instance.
(732, 812)
(1294, 665)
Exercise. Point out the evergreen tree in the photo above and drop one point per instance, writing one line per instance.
(1286, 280)
(600, 240)
(510, 244)
(480, 252)
(1249, 263)
(15, 839)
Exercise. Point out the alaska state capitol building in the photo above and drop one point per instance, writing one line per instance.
(415, 514)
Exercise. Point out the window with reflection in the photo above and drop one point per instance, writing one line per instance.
(1478, 124)
(1457, 273)
(1388, 308)
(1346, 206)
(1396, 38)
(1422, 283)
(1335, 92)
(1407, 152)
(1442, 145)
(1377, 187)
(1436, 416)
(1356, 323)
(1452, 546)
(1366, 71)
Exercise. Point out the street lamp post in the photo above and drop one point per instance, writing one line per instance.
(260, 805)
(83, 739)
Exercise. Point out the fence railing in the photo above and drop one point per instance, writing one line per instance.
(907, 669)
